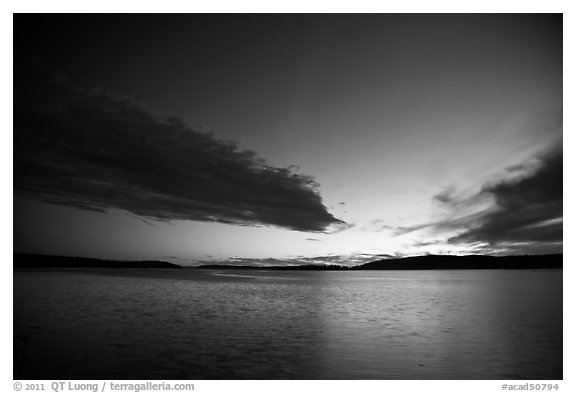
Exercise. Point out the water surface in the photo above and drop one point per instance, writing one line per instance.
(210, 324)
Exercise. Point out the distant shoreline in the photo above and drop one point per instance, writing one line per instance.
(427, 262)
(34, 261)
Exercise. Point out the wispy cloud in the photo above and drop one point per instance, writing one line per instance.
(525, 214)
(528, 209)
(90, 150)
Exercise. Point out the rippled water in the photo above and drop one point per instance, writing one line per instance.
(199, 324)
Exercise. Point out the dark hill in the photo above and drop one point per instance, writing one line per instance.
(22, 261)
(438, 262)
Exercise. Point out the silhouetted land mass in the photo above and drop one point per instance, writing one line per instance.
(26, 261)
(426, 262)
(430, 262)
(438, 262)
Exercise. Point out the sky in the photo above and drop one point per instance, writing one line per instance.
(287, 138)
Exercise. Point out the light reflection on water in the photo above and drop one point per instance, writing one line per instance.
(199, 324)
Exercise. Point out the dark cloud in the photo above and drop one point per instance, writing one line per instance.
(445, 197)
(528, 211)
(521, 215)
(340, 227)
(89, 150)
(402, 230)
(426, 243)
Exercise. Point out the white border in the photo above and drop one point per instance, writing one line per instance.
(6, 152)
